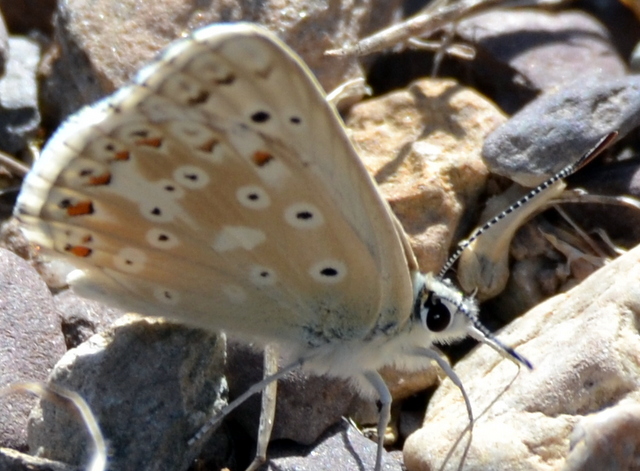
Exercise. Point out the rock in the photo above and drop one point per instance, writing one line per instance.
(584, 348)
(12, 460)
(303, 414)
(151, 386)
(555, 129)
(341, 447)
(30, 342)
(421, 145)
(523, 52)
(606, 440)
(19, 113)
(82, 318)
(101, 45)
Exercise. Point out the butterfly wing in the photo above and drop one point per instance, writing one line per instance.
(220, 190)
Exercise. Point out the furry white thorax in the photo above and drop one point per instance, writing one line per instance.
(350, 359)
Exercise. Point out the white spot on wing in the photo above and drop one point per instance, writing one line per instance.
(202, 141)
(209, 68)
(105, 149)
(274, 173)
(248, 143)
(236, 237)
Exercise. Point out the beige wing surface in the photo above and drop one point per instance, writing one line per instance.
(220, 190)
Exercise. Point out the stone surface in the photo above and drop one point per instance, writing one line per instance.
(306, 405)
(421, 145)
(341, 447)
(19, 114)
(81, 317)
(555, 129)
(12, 460)
(27, 15)
(606, 440)
(30, 342)
(584, 346)
(102, 44)
(523, 52)
(150, 384)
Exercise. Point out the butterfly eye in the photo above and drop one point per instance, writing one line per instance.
(438, 313)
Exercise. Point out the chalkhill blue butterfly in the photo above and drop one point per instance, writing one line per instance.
(220, 190)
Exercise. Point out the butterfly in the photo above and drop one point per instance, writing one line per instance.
(220, 190)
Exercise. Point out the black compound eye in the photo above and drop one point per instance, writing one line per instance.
(439, 314)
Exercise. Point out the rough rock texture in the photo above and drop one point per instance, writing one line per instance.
(421, 145)
(30, 342)
(102, 44)
(584, 346)
(150, 384)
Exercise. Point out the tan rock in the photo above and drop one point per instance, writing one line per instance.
(606, 440)
(422, 145)
(584, 348)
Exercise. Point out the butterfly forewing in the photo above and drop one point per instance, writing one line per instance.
(221, 190)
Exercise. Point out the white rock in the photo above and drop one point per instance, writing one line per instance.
(584, 347)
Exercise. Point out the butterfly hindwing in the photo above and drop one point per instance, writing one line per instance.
(220, 189)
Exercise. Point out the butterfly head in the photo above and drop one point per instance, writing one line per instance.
(442, 309)
(448, 315)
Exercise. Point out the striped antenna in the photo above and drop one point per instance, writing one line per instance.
(564, 173)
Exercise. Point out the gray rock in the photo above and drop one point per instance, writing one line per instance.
(555, 129)
(19, 112)
(12, 460)
(302, 412)
(101, 47)
(341, 447)
(30, 342)
(82, 318)
(150, 384)
(523, 52)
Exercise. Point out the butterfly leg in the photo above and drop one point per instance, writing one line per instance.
(432, 354)
(243, 397)
(385, 410)
(268, 407)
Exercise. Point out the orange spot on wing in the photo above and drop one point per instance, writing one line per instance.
(104, 179)
(150, 142)
(208, 146)
(80, 209)
(79, 250)
(262, 158)
(122, 155)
